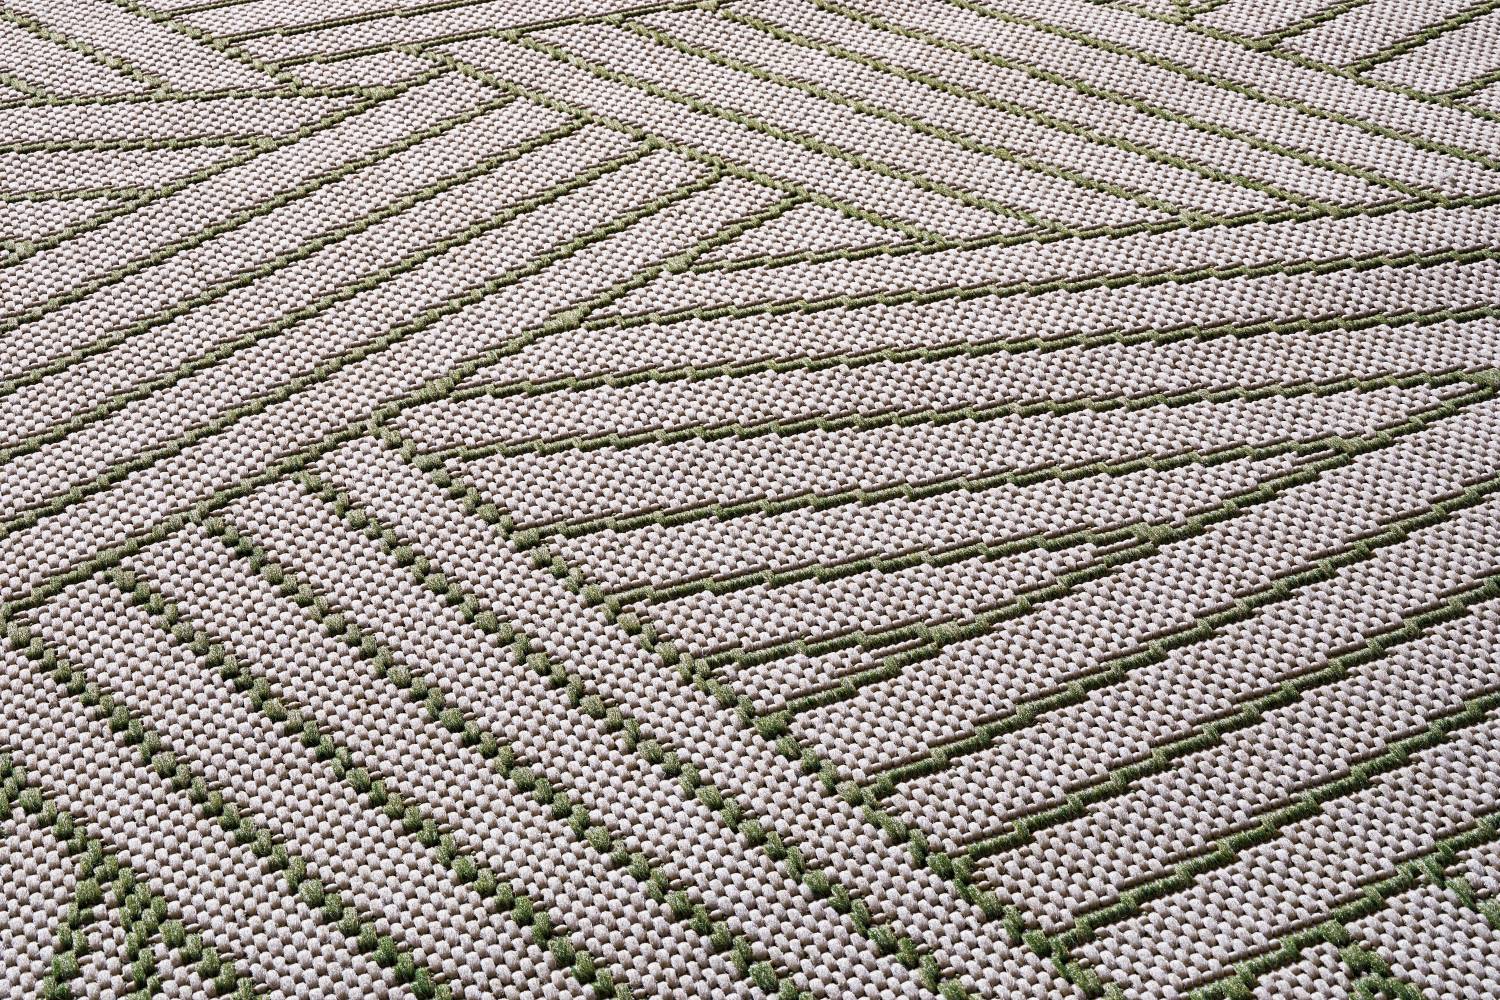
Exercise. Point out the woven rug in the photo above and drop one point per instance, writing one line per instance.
(567, 499)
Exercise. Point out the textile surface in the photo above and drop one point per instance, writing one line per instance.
(942, 499)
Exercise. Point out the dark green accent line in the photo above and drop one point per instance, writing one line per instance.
(1306, 157)
(919, 125)
(92, 53)
(326, 122)
(1310, 801)
(298, 721)
(501, 216)
(526, 776)
(1023, 831)
(1413, 139)
(1427, 34)
(307, 249)
(328, 367)
(162, 254)
(1334, 928)
(888, 938)
(807, 141)
(299, 877)
(988, 289)
(407, 12)
(719, 163)
(924, 416)
(142, 143)
(106, 871)
(203, 38)
(1011, 107)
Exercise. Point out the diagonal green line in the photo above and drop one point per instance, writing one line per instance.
(1012, 107)
(921, 416)
(302, 190)
(1409, 138)
(526, 776)
(1305, 157)
(330, 366)
(325, 123)
(719, 163)
(18, 794)
(993, 289)
(1427, 34)
(918, 125)
(375, 791)
(92, 53)
(807, 141)
(887, 937)
(1023, 831)
(299, 878)
(225, 349)
(1236, 983)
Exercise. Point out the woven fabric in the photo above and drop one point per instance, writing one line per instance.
(984, 499)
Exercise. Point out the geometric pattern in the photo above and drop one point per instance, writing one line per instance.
(743, 498)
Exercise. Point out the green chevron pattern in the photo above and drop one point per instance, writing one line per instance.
(750, 498)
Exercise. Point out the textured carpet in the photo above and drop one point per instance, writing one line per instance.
(769, 498)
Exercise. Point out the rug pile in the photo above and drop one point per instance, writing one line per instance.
(789, 499)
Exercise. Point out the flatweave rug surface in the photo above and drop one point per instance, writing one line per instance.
(787, 499)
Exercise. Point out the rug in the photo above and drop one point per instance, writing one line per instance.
(947, 499)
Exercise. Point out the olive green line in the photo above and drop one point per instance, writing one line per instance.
(326, 368)
(526, 776)
(429, 391)
(956, 871)
(769, 261)
(719, 163)
(1415, 140)
(295, 873)
(1121, 779)
(1305, 157)
(773, 729)
(992, 289)
(924, 416)
(374, 790)
(937, 636)
(1308, 62)
(119, 195)
(1274, 39)
(323, 124)
(409, 12)
(1012, 107)
(162, 254)
(70, 945)
(225, 349)
(1474, 86)
(98, 871)
(1427, 34)
(919, 125)
(136, 144)
(92, 53)
(807, 141)
(25, 87)
(985, 734)
(185, 96)
(200, 37)
(308, 248)
(812, 500)
(976, 348)
(887, 937)
(1309, 801)
(1231, 985)
(427, 47)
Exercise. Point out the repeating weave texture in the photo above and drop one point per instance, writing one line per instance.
(791, 499)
